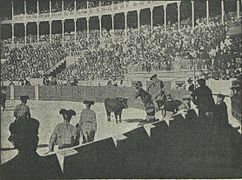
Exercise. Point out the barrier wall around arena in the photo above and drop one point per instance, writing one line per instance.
(80, 93)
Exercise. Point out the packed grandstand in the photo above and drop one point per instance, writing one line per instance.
(114, 53)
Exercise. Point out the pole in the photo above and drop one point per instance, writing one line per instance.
(12, 32)
(112, 16)
(238, 9)
(37, 25)
(164, 7)
(207, 11)
(138, 15)
(63, 31)
(151, 18)
(87, 18)
(179, 14)
(193, 16)
(25, 8)
(25, 33)
(50, 7)
(75, 23)
(12, 10)
(37, 6)
(100, 25)
(222, 10)
(50, 25)
(125, 23)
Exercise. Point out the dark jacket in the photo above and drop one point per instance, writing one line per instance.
(221, 114)
(203, 98)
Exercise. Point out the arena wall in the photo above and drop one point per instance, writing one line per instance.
(99, 93)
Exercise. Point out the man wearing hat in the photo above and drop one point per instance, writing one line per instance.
(221, 113)
(156, 91)
(202, 97)
(27, 164)
(146, 99)
(65, 135)
(88, 122)
(22, 110)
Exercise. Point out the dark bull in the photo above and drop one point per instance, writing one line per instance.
(115, 105)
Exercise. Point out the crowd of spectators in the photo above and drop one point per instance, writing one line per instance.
(31, 61)
(114, 53)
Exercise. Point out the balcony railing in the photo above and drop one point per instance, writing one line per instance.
(82, 13)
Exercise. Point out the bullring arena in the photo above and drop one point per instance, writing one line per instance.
(60, 53)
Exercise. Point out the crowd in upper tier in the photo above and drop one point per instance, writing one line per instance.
(31, 61)
(114, 54)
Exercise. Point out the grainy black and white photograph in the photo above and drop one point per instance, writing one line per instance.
(120, 89)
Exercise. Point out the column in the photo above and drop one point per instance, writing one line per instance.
(50, 25)
(125, 23)
(75, 5)
(25, 33)
(151, 17)
(12, 24)
(36, 90)
(12, 10)
(62, 6)
(222, 10)
(207, 11)
(75, 21)
(37, 7)
(50, 7)
(193, 15)
(112, 16)
(63, 30)
(164, 7)
(238, 9)
(87, 19)
(25, 11)
(12, 92)
(12, 33)
(25, 8)
(75, 26)
(100, 25)
(37, 26)
(179, 14)
(138, 15)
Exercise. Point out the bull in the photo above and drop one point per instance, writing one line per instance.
(115, 105)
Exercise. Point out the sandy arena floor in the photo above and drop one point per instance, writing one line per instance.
(47, 112)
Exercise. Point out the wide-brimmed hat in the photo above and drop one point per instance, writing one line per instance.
(153, 76)
(88, 102)
(68, 112)
(24, 97)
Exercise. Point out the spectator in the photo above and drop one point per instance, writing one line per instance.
(27, 164)
(203, 98)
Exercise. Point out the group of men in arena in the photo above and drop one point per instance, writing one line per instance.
(201, 97)
(24, 130)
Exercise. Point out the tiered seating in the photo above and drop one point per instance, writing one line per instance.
(114, 53)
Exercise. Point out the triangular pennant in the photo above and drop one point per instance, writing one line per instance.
(118, 138)
(61, 159)
(64, 153)
(148, 128)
